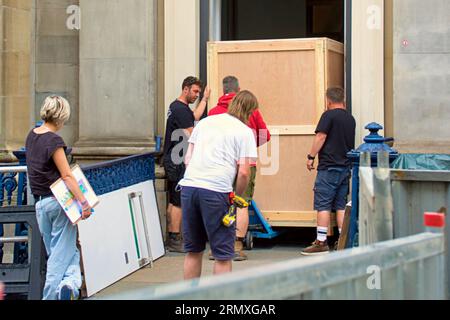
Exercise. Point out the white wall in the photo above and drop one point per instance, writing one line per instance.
(182, 38)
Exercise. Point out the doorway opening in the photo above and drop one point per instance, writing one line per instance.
(267, 19)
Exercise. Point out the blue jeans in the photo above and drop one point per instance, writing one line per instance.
(60, 236)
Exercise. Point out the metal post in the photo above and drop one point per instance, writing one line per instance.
(354, 213)
(142, 260)
(147, 236)
(352, 240)
(215, 20)
(364, 219)
(383, 203)
(374, 143)
(434, 222)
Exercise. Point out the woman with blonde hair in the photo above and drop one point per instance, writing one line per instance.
(47, 162)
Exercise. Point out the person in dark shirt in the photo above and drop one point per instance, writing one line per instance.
(335, 137)
(180, 123)
(46, 163)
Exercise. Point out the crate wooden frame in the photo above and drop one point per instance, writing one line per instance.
(326, 72)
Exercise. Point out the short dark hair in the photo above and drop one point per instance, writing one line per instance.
(336, 94)
(230, 84)
(190, 81)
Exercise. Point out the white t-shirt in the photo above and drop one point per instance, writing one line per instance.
(220, 142)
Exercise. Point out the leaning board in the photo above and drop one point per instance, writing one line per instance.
(116, 241)
(290, 78)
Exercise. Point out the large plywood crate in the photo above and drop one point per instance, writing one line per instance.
(290, 78)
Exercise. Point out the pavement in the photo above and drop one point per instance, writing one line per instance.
(169, 268)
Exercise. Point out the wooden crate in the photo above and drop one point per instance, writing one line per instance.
(290, 78)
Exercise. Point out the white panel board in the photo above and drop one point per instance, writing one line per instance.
(108, 243)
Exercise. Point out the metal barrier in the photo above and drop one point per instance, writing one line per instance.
(392, 204)
(407, 268)
(375, 223)
(9, 184)
(24, 278)
(416, 192)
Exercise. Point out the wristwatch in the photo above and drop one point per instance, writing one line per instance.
(311, 157)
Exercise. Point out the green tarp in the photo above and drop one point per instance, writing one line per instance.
(439, 162)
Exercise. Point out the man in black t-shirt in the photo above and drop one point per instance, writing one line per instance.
(335, 137)
(180, 123)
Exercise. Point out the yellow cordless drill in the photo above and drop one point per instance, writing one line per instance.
(236, 202)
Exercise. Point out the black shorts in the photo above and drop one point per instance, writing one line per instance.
(174, 174)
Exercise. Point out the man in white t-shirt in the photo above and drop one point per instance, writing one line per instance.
(219, 148)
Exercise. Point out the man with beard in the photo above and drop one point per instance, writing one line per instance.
(180, 123)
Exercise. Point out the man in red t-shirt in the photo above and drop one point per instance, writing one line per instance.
(262, 136)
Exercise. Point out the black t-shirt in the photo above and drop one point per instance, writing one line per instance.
(340, 126)
(42, 171)
(180, 116)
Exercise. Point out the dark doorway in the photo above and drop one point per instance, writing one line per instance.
(268, 19)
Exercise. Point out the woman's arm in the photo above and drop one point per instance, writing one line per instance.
(59, 157)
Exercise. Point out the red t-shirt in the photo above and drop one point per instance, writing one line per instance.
(256, 121)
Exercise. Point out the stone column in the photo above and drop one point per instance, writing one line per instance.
(117, 78)
(367, 64)
(16, 32)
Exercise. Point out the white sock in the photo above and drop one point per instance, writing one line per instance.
(322, 233)
(340, 231)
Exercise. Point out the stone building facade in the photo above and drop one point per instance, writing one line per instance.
(121, 62)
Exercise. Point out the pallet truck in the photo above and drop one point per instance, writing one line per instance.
(258, 227)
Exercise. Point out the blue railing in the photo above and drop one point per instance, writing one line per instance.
(104, 177)
(114, 175)
(12, 179)
(9, 183)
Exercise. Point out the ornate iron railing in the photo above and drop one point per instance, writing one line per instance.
(12, 179)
